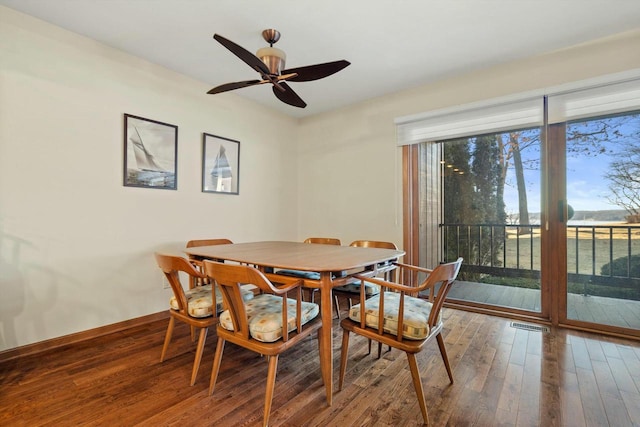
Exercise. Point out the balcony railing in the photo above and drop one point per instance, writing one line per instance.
(599, 254)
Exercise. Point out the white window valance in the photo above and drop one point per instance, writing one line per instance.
(476, 119)
(588, 98)
(596, 101)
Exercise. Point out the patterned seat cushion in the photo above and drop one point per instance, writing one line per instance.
(309, 275)
(265, 316)
(416, 315)
(200, 300)
(354, 288)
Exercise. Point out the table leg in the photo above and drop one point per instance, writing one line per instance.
(326, 333)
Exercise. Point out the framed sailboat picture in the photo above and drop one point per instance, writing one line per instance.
(220, 164)
(150, 153)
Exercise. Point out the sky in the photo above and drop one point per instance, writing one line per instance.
(587, 186)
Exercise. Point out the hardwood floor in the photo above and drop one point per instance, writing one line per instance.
(504, 376)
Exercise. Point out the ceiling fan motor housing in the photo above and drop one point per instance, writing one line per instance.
(273, 58)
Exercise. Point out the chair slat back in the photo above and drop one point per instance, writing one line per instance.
(373, 244)
(197, 260)
(171, 266)
(386, 268)
(323, 241)
(441, 278)
(208, 242)
(445, 275)
(229, 278)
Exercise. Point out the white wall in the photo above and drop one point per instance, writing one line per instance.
(350, 183)
(76, 246)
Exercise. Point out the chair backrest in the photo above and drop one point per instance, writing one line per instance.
(171, 266)
(441, 278)
(208, 242)
(445, 275)
(230, 277)
(323, 241)
(373, 244)
(197, 260)
(385, 268)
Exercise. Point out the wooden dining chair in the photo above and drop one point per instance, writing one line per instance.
(400, 319)
(197, 260)
(258, 325)
(352, 290)
(194, 307)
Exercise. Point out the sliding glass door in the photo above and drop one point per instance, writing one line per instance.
(491, 218)
(603, 222)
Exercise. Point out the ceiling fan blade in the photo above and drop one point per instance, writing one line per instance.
(235, 85)
(315, 72)
(248, 57)
(288, 96)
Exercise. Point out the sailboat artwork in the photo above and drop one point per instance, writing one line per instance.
(151, 149)
(221, 175)
(220, 167)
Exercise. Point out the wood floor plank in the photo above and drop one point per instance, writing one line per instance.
(632, 403)
(571, 405)
(592, 404)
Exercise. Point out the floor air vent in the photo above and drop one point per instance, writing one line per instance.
(528, 327)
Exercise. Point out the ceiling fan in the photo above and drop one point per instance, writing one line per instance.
(269, 62)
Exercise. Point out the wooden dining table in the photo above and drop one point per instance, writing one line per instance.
(324, 259)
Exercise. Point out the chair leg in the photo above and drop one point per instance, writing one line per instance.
(344, 351)
(337, 304)
(443, 352)
(167, 338)
(199, 349)
(193, 333)
(380, 349)
(271, 381)
(216, 365)
(320, 354)
(417, 384)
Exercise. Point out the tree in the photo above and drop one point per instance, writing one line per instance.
(624, 177)
(487, 172)
(473, 198)
(619, 138)
(511, 145)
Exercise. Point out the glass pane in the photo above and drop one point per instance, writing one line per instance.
(491, 205)
(603, 228)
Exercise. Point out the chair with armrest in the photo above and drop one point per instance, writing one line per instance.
(258, 325)
(352, 290)
(197, 260)
(191, 307)
(402, 321)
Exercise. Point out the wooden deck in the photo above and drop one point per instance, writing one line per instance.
(608, 311)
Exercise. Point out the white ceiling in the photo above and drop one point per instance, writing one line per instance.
(392, 44)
